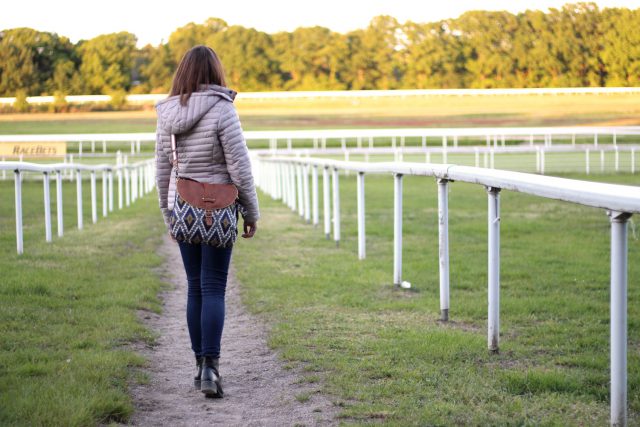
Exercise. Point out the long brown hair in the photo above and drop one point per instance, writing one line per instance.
(199, 66)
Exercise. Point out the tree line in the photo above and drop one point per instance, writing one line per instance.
(576, 45)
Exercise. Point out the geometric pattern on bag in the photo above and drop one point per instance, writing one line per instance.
(188, 224)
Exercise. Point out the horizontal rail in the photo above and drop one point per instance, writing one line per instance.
(152, 98)
(349, 133)
(614, 197)
(54, 167)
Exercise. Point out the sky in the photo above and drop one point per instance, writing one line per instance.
(153, 21)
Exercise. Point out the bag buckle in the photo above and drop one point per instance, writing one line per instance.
(207, 199)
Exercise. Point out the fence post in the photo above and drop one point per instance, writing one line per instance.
(278, 183)
(307, 195)
(127, 186)
(619, 318)
(314, 191)
(79, 197)
(336, 206)
(601, 160)
(119, 172)
(110, 190)
(59, 203)
(47, 207)
(94, 207)
(142, 176)
(18, 191)
(326, 203)
(133, 183)
(397, 230)
(616, 159)
(284, 182)
(104, 193)
(443, 238)
(300, 189)
(494, 269)
(541, 161)
(292, 186)
(361, 227)
(586, 156)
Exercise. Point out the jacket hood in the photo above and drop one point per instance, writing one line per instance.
(175, 118)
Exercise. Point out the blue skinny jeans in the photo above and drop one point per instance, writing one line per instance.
(207, 268)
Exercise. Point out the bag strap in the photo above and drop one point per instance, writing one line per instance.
(174, 152)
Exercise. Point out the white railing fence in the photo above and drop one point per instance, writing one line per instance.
(153, 98)
(134, 180)
(362, 138)
(287, 179)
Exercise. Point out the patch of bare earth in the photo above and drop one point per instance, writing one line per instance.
(258, 391)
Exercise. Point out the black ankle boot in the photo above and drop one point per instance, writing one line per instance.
(198, 377)
(211, 381)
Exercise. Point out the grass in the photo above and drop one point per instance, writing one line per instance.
(68, 312)
(428, 111)
(382, 353)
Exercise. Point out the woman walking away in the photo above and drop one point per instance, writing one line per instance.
(204, 179)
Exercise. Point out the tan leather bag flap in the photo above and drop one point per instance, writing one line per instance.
(206, 196)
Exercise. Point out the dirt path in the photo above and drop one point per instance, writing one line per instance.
(258, 391)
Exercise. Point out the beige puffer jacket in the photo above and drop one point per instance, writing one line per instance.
(211, 147)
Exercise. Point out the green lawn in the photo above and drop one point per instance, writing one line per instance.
(382, 352)
(68, 311)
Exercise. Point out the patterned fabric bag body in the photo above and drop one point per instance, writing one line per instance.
(203, 213)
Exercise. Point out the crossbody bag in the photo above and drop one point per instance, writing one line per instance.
(202, 212)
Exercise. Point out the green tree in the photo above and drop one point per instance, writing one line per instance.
(621, 46)
(190, 35)
(434, 56)
(247, 56)
(29, 58)
(155, 67)
(375, 53)
(107, 62)
(313, 58)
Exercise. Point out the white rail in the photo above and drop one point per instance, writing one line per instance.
(492, 136)
(152, 98)
(139, 179)
(619, 201)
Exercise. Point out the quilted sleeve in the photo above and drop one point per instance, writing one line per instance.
(236, 156)
(163, 175)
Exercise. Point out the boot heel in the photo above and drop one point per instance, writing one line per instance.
(209, 388)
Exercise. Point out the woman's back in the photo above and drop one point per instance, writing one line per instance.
(210, 145)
